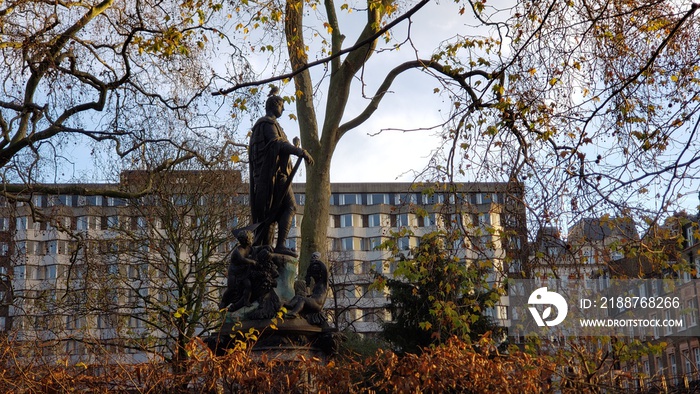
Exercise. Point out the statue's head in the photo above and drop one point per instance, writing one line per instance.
(317, 270)
(299, 287)
(315, 256)
(245, 238)
(274, 105)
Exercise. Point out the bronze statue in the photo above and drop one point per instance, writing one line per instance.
(238, 287)
(311, 306)
(271, 195)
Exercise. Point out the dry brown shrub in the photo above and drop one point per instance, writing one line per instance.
(455, 367)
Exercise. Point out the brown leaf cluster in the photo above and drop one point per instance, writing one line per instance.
(455, 367)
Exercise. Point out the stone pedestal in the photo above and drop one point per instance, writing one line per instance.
(288, 272)
(285, 340)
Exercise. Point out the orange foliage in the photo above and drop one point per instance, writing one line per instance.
(452, 367)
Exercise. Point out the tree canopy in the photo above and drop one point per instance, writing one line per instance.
(114, 76)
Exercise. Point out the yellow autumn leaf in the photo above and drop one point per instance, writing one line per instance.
(235, 158)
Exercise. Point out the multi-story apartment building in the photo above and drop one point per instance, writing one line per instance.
(118, 272)
(364, 215)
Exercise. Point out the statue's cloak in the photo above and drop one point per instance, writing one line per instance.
(266, 163)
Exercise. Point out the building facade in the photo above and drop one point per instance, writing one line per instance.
(490, 217)
(119, 272)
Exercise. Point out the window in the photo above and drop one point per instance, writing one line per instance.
(115, 202)
(39, 201)
(690, 235)
(404, 243)
(377, 198)
(22, 223)
(642, 290)
(81, 223)
(347, 243)
(692, 307)
(4, 224)
(434, 198)
(455, 220)
(672, 363)
(346, 220)
(369, 244)
(300, 199)
(403, 220)
(103, 321)
(66, 201)
(409, 198)
(374, 220)
(4, 248)
(686, 362)
(668, 330)
(372, 315)
(366, 267)
(180, 200)
(345, 291)
(52, 247)
(19, 271)
(349, 267)
(696, 353)
(93, 201)
(349, 199)
(430, 220)
(135, 322)
(51, 272)
(112, 221)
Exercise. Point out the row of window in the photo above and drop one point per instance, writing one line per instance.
(83, 223)
(363, 267)
(481, 243)
(368, 315)
(355, 291)
(409, 220)
(408, 198)
(42, 201)
(689, 365)
(46, 201)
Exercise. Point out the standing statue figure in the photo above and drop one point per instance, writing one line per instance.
(271, 195)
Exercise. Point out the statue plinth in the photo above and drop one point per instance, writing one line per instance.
(301, 330)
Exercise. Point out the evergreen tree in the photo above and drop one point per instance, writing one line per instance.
(436, 295)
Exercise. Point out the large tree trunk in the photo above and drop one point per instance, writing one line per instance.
(318, 189)
(315, 221)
